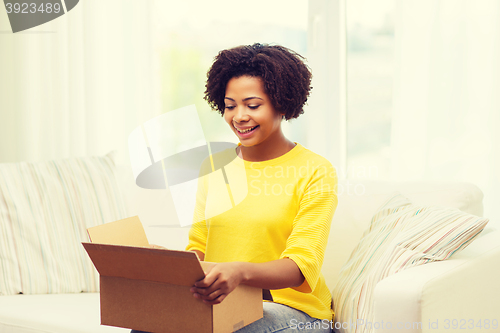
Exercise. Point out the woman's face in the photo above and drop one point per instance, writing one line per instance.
(250, 113)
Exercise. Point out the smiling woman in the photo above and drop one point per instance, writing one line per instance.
(251, 86)
(274, 239)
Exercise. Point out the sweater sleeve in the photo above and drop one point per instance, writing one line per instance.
(311, 227)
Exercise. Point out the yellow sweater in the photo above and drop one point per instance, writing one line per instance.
(283, 211)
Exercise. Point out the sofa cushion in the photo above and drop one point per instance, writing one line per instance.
(56, 313)
(359, 200)
(401, 235)
(45, 209)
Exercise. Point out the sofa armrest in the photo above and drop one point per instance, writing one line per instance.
(430, 297)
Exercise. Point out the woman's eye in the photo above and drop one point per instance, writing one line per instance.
(229, 107)
(253, 107)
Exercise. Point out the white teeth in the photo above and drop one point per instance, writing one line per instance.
(245, 131)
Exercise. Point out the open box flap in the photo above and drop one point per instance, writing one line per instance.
(157, 265)
(129, 232)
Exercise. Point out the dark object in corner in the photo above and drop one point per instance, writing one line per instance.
(266, 295)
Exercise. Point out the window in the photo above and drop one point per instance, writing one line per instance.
(189, 34)
(370, 63)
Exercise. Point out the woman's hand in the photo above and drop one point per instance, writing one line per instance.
(220, 280)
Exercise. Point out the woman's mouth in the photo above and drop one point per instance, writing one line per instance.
(246, 132)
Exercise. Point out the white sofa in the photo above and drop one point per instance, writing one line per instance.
(466, 286)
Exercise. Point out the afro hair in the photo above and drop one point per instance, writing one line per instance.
(286, 78)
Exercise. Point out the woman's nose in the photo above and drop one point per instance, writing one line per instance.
(241, 115)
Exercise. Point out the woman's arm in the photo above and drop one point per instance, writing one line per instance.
(276, 274)
(222, 278)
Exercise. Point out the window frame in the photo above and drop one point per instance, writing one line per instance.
(326, 121)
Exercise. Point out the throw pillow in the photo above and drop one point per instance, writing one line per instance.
(401, 236)
(45, 210)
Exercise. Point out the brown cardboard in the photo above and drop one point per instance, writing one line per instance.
(147, 289)
(128, 231)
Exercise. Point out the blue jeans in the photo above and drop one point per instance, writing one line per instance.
(283, 319)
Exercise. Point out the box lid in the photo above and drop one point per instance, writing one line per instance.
(127, 231)
(121, 249)
(157, 265)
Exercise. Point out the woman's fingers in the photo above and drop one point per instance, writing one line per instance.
(219, 281)
(217, 300)
(211, 296)
(214, 297)
(208, 280)
(205, 292)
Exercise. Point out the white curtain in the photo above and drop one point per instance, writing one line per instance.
(446, 115)
(77, 85)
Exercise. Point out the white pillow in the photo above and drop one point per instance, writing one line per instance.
(45, 210)
(401, 236)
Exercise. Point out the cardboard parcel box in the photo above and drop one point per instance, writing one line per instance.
(148, 288)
